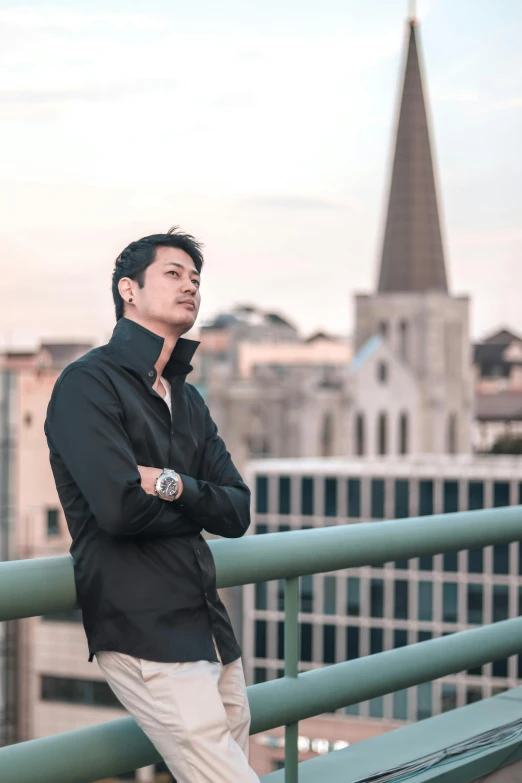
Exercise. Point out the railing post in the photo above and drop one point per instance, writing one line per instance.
(291, 660)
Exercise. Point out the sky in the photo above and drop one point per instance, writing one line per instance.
(263, 128)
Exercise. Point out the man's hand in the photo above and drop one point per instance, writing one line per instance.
(149, 477)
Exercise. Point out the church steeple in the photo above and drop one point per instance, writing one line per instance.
(412, 254)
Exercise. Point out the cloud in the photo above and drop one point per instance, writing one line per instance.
(455, 96)
(489, 239)
(290, 202)
(54, 18)
(88, 93)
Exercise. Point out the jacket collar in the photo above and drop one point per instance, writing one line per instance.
(139, 349)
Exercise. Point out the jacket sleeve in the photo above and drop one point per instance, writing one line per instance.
(218, 498)
(85, 427)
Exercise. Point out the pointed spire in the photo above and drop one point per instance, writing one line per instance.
(412, 254)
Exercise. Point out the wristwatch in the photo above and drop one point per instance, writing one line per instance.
(167, 484)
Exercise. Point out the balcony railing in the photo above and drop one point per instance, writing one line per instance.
(35, 587)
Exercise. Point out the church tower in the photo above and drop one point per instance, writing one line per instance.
(425, 328)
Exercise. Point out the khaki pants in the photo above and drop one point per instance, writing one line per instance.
(195, 714)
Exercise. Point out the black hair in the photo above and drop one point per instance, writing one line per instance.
(134, 260)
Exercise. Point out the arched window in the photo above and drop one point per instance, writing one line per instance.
(403, 433)
(256, 438)
(359, 435)
(452, 434)
(404, 336)
(382, 434)
(327, 435)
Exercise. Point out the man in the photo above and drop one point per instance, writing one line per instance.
(140, 471)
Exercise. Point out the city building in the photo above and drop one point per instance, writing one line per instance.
(497, 363)
(362, 611)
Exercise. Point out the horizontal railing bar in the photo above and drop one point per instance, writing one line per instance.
(119, 746)
(35, 587)
(284, 555)
(352, 682)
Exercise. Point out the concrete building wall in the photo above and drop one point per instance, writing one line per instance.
(429, 332)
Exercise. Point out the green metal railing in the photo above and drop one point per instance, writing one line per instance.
(36, 587)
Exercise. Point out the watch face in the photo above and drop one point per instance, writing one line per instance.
(169, 486)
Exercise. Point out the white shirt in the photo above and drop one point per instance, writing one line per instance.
(168, 397)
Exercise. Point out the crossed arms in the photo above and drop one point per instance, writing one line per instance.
(85, 427)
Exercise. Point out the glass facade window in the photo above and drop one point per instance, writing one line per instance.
(260, 639)
(400, 637)
(376, 707)
(402, 499)
(354, 498)
(307, 496)
(376, 640)
(451, 562)
(450, 497)
(353, 596)
(330, 497)
(259, 674)
(449, 602)
(53, 527)
(284, 528)
(329, 632)
(261, 529)
(70, 690)
(501, 559)
(377, 498)
(402, 565)
(475, 495)
(425, 497)
(475, 604)
(448, 697)
(400, 705)
(281, 595)
(500, 493)
(424, 636)
(476, 561)
(352, 642)
(307, 593)
(260, 595)
(424, 701)
(400, 596)
(519, 600)
(499, 668)
(329, 595)
(377, 598)
(473, 694)
(280, 640)
(425, 601)
(306, 642)
(261, 494)
(500, 603)
(426, 563)
(284, 495)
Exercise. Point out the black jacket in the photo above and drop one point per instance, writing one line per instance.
(145, 576)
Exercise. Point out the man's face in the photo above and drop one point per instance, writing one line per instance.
(170, 294)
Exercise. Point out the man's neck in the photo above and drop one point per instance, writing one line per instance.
(170, 339)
